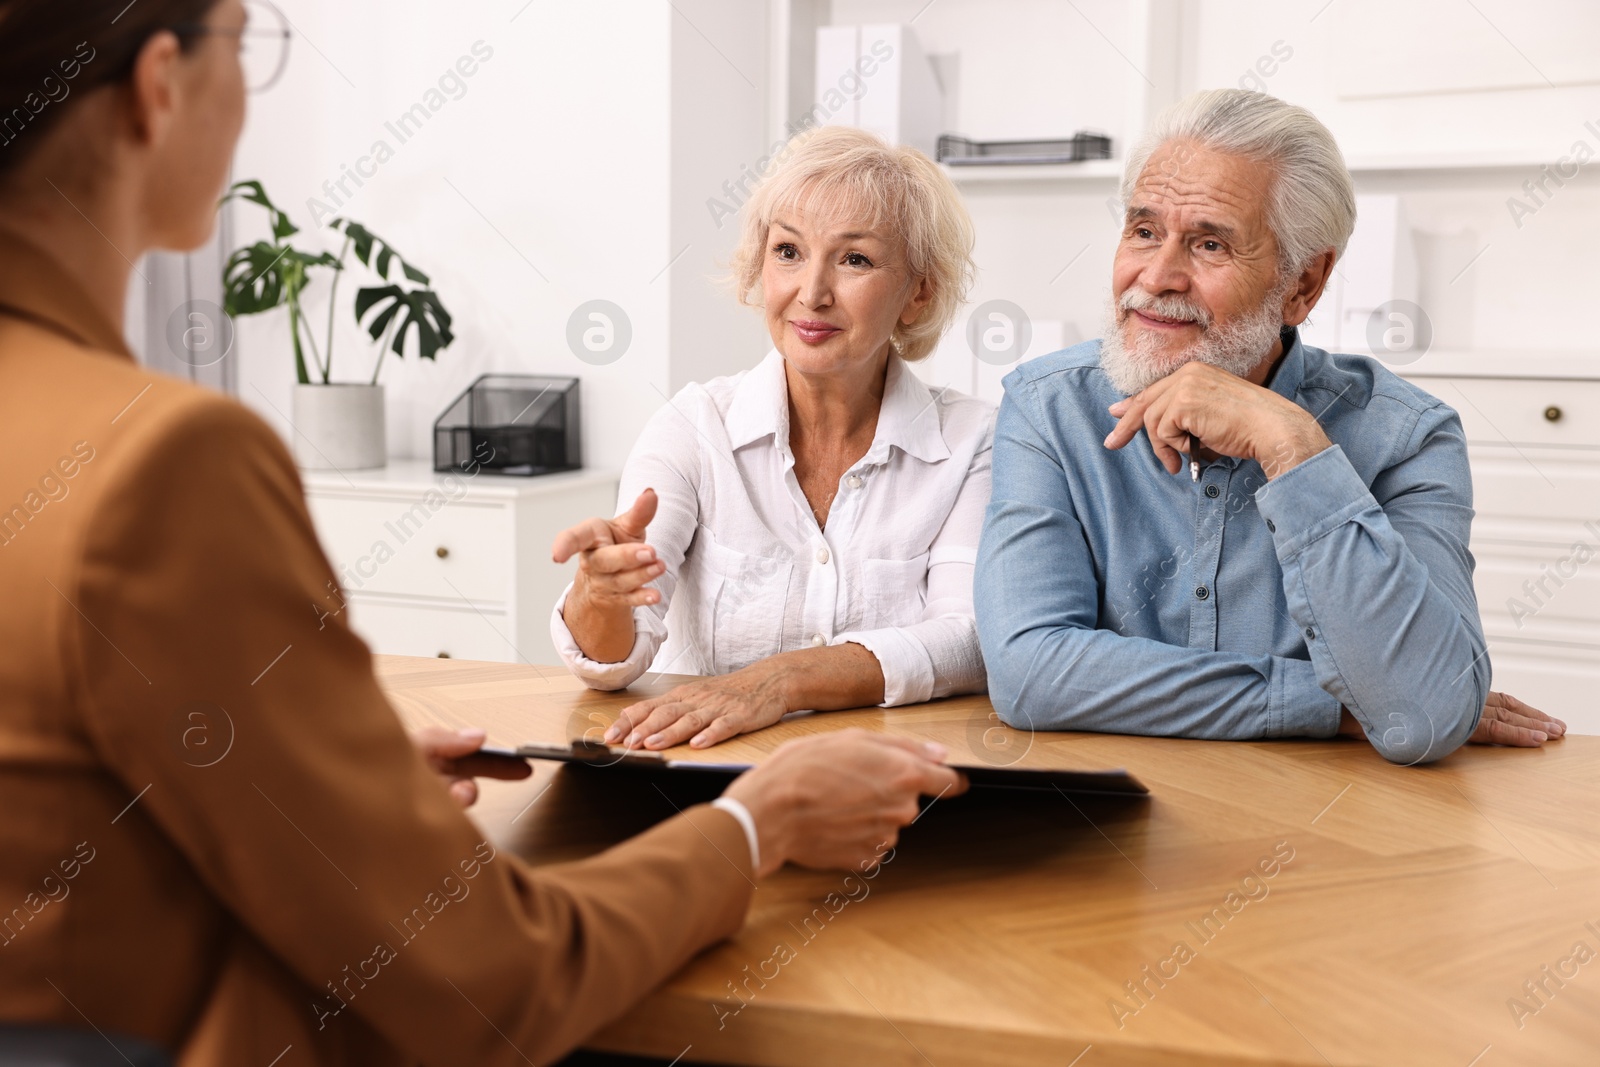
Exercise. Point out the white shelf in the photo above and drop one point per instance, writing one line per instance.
(1089, 170)
(1110, 170)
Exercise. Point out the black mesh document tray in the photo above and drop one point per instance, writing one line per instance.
(513, 424)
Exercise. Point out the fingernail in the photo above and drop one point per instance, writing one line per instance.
(1107, 441)
(653, 739)
(935, 750)
(645, 555)
(611, 735)
(473, 733)
(1539, 735)
(633, 739)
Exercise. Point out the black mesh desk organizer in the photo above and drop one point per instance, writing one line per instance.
(511, 423)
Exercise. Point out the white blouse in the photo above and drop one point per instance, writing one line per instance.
(749, 573)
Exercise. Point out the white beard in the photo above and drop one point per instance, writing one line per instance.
(1236, 348)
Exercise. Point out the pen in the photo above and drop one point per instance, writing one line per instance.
(1194, 464)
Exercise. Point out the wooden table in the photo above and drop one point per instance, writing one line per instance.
(1405, 909)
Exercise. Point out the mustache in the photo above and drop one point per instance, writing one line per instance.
(1168, 307)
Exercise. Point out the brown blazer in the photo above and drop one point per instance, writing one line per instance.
(313, 894)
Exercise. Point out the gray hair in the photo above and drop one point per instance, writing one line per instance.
(1313, 203)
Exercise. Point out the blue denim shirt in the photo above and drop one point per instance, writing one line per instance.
(1116, 597)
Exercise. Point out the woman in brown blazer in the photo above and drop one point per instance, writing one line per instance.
(317, 896)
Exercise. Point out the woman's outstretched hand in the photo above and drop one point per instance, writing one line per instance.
(614, 567)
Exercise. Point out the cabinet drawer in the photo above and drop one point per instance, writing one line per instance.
(1528, 494)
(1547, 593)
(422, 546)
(1497, 411)
(409, 630)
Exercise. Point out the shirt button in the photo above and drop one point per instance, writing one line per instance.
(1213, 492)
(822, 555)
(854, 481)
(1202, 592)
(817, 640)
(1311, 635)
(1270, 527)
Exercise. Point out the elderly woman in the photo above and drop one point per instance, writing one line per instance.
(812, 522)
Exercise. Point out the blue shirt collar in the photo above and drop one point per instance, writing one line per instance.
(1291, 370)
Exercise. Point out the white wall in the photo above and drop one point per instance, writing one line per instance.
(1032, 68)
(717, 131)
(1388, 78)
(544, 186)
(594, 138)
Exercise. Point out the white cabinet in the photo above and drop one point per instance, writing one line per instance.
(1534, 444)
(451, 565)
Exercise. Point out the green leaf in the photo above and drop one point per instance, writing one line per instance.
(424, 314)
(380, 322)
(379, 308)
(253, 280)
(363, 242)
(254, 192)
(366, 298)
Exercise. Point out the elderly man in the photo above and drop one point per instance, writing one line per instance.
(1285, 552)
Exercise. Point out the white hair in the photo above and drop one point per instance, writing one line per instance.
(1313, 203)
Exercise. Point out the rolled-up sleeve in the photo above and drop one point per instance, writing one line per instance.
(666, 458)
(649, 630)
(939, 655)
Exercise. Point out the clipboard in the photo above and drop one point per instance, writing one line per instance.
(582, 752)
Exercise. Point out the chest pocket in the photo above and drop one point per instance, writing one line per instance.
(892, 593)
(743, 605)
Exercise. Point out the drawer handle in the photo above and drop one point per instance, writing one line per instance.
(444, 553)
(1552, 414)
(444, 655)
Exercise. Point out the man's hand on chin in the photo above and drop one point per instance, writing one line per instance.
(1199, 405)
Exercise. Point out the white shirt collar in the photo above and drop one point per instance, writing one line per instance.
(908, 418)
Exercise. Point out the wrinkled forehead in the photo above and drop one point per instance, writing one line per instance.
(1183, 183)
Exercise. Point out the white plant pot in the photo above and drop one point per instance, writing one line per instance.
(339, 427)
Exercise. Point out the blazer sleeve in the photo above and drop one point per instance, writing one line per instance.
(202, 588)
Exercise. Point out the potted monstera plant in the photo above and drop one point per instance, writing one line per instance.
(337, 425)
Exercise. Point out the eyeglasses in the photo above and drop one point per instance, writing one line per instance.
(263, 43)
